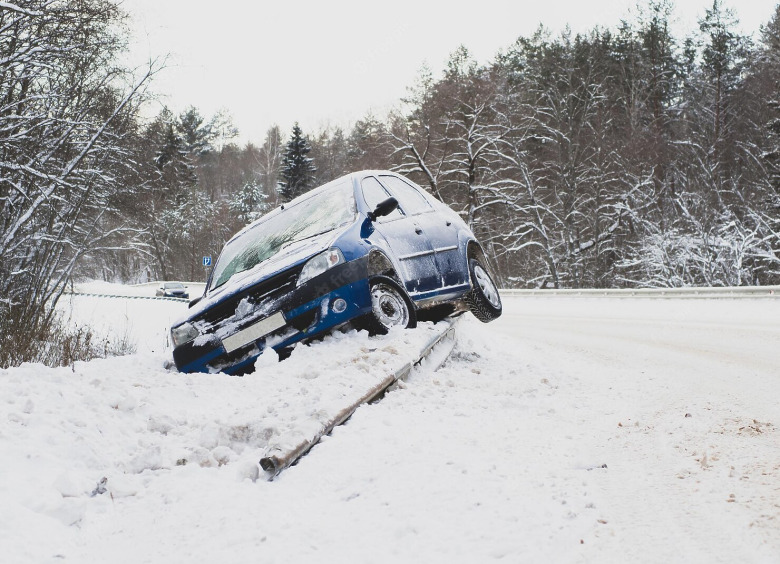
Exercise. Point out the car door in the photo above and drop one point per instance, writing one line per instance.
(437, 227)
(406, 241)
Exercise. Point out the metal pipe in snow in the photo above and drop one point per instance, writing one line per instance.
(279, 458)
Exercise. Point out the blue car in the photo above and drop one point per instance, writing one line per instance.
(370, 249)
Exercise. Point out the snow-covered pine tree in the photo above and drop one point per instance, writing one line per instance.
(367, 145)
(249, 202)
(770, 65)
(297, 172)
(172, 158)
(329, 150)
(764, 192)
(196, 135)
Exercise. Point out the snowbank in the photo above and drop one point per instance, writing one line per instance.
(567, 431)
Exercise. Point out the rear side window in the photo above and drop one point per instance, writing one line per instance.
(410, 199)
(373, 193)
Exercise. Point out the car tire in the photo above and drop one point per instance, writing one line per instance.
(390, 307)
(483, 300)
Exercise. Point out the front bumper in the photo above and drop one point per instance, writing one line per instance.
(305, 311)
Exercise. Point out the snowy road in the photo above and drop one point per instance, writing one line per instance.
(679, 398)
(570, 430)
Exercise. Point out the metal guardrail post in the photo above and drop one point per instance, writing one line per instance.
(762, 292)
(170, 299)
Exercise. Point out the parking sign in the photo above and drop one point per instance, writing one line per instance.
(206, 261)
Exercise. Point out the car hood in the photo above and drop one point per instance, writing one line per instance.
(292, 255)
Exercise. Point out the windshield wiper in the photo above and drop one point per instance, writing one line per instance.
(308, 237)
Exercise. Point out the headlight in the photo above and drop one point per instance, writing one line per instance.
(184, 333)
(319, 264)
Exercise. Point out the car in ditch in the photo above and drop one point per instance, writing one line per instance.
(371, 249)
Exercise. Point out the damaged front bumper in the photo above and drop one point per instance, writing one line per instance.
(274, 313)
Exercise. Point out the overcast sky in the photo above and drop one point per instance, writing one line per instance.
(322, 62)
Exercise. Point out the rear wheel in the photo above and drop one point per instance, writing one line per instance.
(483, 299)
(390, 307)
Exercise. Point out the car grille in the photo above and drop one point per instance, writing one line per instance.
(269, 289)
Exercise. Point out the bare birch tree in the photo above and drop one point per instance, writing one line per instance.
(64, 109)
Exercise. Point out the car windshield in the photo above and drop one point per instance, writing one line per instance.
(321, 213)
(174, 286)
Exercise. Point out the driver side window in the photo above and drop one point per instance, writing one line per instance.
(373, 193)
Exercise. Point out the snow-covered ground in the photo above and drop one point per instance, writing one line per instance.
(142, 323)
(137, 290)
(570, 430)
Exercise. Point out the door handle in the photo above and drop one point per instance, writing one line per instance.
(418, 230)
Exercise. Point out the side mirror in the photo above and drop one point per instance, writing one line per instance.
(385, 207)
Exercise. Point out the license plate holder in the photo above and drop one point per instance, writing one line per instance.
(253, 332)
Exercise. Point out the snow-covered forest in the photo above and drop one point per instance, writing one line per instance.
(614, 158)
(621, 157)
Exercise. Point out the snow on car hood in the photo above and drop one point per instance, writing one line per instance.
(293, 254)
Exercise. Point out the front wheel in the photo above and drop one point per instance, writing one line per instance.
(483, 299)
(390, 307)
